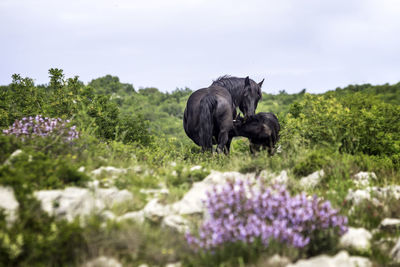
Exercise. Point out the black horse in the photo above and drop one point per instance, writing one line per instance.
(261, 129)
(209, 112)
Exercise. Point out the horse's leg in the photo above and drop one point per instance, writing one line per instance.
(228, 145)
(222, 141)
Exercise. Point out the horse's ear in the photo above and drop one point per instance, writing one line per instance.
(247, 81)
(261, 83)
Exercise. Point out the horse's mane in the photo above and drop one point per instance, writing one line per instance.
(228, 81)
(234, 85)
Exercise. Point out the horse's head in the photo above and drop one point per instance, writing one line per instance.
(250, 97)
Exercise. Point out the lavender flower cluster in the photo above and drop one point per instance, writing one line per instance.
(241, 212)
(29, 127)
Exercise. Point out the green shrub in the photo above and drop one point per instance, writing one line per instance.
(134, 129)
(356, 123)
(34, 171)
(314, 161)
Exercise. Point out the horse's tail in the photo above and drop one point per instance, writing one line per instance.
(207, 107)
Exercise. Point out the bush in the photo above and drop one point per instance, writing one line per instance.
(355, 123)
(37, 170)
(314, 161)
(134, 129)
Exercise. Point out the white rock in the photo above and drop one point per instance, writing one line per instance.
(93, 184)
(81, 169)
(112, 196)
(109, 170)
(362, 179)
(15, 154)
(312, 180)
(136, 169)
(69, 203)
(155, 211)
(390, 224)
(274, 261)
(356, 238)
(175, 264)
(72, 202)
(358, 196)
(103, 262)
(9, 203)
(196, 168)
(155, 192)
(374, 194)
(173, 164)
(341, 259)
(192, 201)
(282, 178)
(365, 175)
(108, 215)
(395, 252)
(176, 222)
(136, 216)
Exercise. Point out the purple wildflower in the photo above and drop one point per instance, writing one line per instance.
(239, 212)
(29, 127)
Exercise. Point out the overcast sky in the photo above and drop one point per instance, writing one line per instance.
(168, 44)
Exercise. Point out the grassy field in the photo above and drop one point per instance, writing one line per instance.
(342, 132)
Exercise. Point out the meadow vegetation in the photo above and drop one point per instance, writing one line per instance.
(343, 132)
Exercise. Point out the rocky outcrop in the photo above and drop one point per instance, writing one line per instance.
(375, 195)
(390, 224)
(109, 171)
(395, 252)
(14, 155)
(72, 202)
(356, 238)
(9, 204)
(312, 180)
(103, 262)
(342, 259)
(192, 202)
(363, 179)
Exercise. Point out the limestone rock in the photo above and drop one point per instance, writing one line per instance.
(155, 211)
(356, 238)
(274, 261)
(72, 202)
(395, 252)
(155, 192)
(192, 202)
(108, 215)
(9, 203)
(342, 259)
(103, 262)
(362, 179)
(112, 196)
(109, 170)
(196, 168)
(376, 195)
(176, 222)
(282, 178)
(390, 224)
(136, 216)
(15, 154)
(312, 180)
